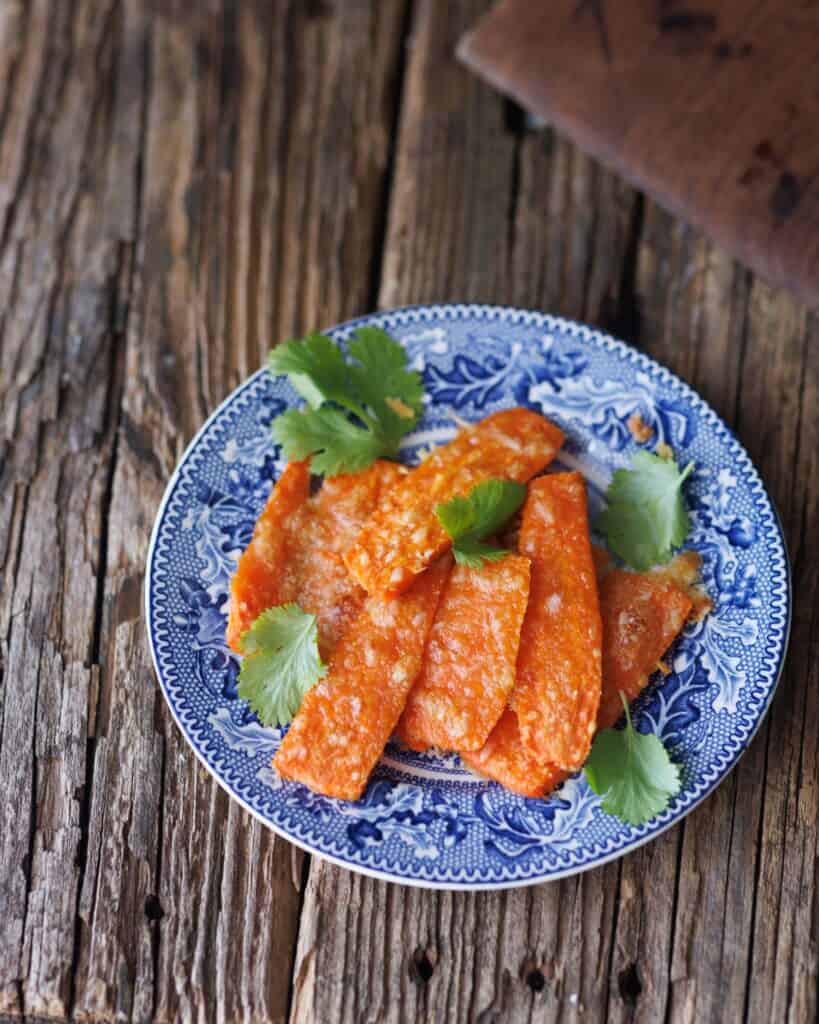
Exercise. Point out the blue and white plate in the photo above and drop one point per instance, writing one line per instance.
(426, 820)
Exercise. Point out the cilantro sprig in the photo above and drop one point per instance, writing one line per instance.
(646, 517)
(632, 772)
(281, 662)
(374, 386)
(470, 520)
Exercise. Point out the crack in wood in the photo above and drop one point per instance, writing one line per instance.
(514, 193)
(394, 141)
(119, 306)
(614, 922)
(627, 322)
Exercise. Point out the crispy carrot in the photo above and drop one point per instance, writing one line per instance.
(505, 759)
(469, 665)
(642, 613)
(295, 553)
(405, 536)
(557, 690)
(321, 583)
(258, 582)
(346, 719)
(347, 501)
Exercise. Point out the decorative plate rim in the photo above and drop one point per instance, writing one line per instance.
(515, 316)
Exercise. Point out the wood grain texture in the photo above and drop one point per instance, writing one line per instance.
(164, 167)
(59, 262)
(708, 107)
(180, 185)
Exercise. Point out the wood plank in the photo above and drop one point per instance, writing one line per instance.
(66, 159)
(571, 230)
(483, 209)
(748, 350)
(777, 418)
(480, 210)
(258, 217)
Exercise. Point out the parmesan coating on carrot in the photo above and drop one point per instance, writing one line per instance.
(346, 719)
(329, 522)
(642, 613)
(505, 759)
(258, 582)
(403, 538)
(560, 664)
(469, 665)
(295, 553)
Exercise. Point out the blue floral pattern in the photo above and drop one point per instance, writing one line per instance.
(425, 818)
(494, 365)
(605, 406)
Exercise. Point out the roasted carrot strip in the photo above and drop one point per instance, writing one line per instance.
(346, 719)
(258, 582)
(469, 664)
(329, 522)
(685, 571)
(505, 759)
(295, 553)
(559, 668)
(642, 614)
(348, 500)
(404, 537)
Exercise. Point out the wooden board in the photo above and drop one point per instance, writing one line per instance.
(171, 177)
(711, 107)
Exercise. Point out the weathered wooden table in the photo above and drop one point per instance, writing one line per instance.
(182, 184)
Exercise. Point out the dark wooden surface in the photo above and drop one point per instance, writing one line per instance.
(711, 106)
(182, 184)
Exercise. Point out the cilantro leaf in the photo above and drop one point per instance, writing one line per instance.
(394, 393)
(646, 516)
(315, 366)
(470, 520)
(375, 388)
(632, 772)
(281, 662)
(483, 511)
(334, 442)
(474, 553)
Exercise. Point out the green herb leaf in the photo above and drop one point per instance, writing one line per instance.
(281, 662)
(334, 442)
(475, 552)
(632, 772)
(380, 376)
(375, 387)
(315, 366)
(470, 520)
(646, 517)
